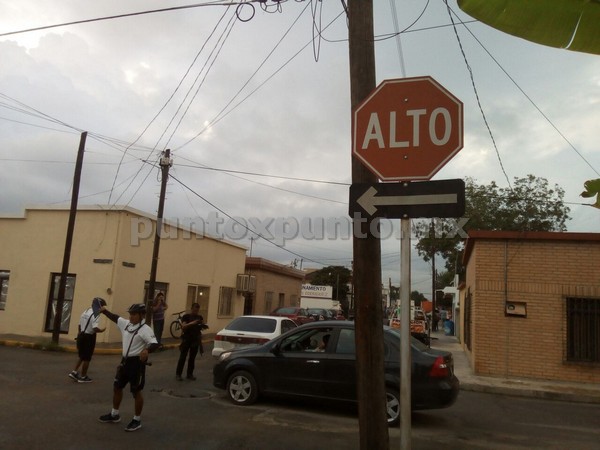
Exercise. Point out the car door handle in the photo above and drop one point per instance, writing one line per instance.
(312, 361)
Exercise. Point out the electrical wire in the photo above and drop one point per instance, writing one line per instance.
(121, 16)
(204, 167)
(167, 102)
(222, 39)
(477, 94)
(225, 112)
(244, 226)
(525, 94)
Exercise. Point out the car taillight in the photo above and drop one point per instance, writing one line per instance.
(218, 338)
(439, 369)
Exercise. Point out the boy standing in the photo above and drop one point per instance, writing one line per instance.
(89, 325)
(138, 341)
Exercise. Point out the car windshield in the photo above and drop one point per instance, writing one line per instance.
(254, 324)
(286, 311)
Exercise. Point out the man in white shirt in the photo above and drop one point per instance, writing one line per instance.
(138, 341)
(89, 325)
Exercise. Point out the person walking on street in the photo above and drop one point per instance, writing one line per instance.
(435, 318)
(138, 342)
(89, 325)
(192, 325)
(158, 316)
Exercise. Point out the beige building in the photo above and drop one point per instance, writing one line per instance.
(530, 305)
(110, 258)
(276, 285)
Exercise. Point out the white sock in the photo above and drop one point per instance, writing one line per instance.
(114, 412)
(138, 418)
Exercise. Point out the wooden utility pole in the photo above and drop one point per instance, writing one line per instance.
(70, 228)
(367, 251)
(165, 164)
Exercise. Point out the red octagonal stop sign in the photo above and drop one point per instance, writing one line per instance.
(407, 129)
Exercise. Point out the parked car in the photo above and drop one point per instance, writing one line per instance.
(337, 314)
(250, 331)
(292, 365)
(298, 315)
(319, 313)
(418, 325)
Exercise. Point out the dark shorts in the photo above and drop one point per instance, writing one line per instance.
(132, 371)
(86, 343)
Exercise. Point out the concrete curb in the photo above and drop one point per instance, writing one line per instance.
(72, 348)
(542, 393)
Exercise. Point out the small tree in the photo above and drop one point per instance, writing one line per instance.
(338, 277)
(417, 297)
(529, 205)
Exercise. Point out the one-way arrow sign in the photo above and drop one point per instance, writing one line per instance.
(443, 198)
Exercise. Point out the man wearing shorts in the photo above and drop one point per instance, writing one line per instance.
(89, 325)
(138, 341)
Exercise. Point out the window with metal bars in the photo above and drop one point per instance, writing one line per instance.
(583, 329)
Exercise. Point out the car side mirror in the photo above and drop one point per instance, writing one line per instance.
(276, 349)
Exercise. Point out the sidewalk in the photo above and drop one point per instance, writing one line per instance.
(69, 345)
(524, 387)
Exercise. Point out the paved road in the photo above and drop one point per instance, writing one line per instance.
(43, 409)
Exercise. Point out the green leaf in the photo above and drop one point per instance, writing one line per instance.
(568, 24)
(592, 187)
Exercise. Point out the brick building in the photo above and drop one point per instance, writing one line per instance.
(530, 305)
(276, 285)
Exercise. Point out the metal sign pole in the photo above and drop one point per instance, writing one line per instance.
(405, 358)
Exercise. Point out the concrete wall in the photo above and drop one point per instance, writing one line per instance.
(109, 261)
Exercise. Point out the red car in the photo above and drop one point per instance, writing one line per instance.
(298, 315)
(337, 314)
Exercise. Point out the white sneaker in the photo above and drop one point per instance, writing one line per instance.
(74, 375)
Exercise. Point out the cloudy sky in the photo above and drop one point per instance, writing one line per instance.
(254, 103)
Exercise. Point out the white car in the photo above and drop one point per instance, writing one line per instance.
(250, 331)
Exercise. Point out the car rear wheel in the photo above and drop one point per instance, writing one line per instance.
(392, 401)
(242, 388)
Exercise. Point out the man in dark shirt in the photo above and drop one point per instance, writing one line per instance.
(192, 325)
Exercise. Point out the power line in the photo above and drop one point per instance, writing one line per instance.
(121, 16)
(281, 177)
(166, 103)
(224, 112)
(524, 93)
(243, 225)
(222, 39)
(477, 93)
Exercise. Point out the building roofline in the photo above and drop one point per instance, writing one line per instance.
(474, 235)
(119, 209)
(256, 263)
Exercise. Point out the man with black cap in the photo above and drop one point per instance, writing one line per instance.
(89, 325)
(138, 341)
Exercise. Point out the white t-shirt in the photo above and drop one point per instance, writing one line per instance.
(94, 322)
(141, 340)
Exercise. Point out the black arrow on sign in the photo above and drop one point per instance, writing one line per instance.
(443, 198)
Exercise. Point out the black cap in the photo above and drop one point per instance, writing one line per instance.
(137, 308)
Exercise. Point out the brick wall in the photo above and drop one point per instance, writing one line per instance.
(542, 274)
